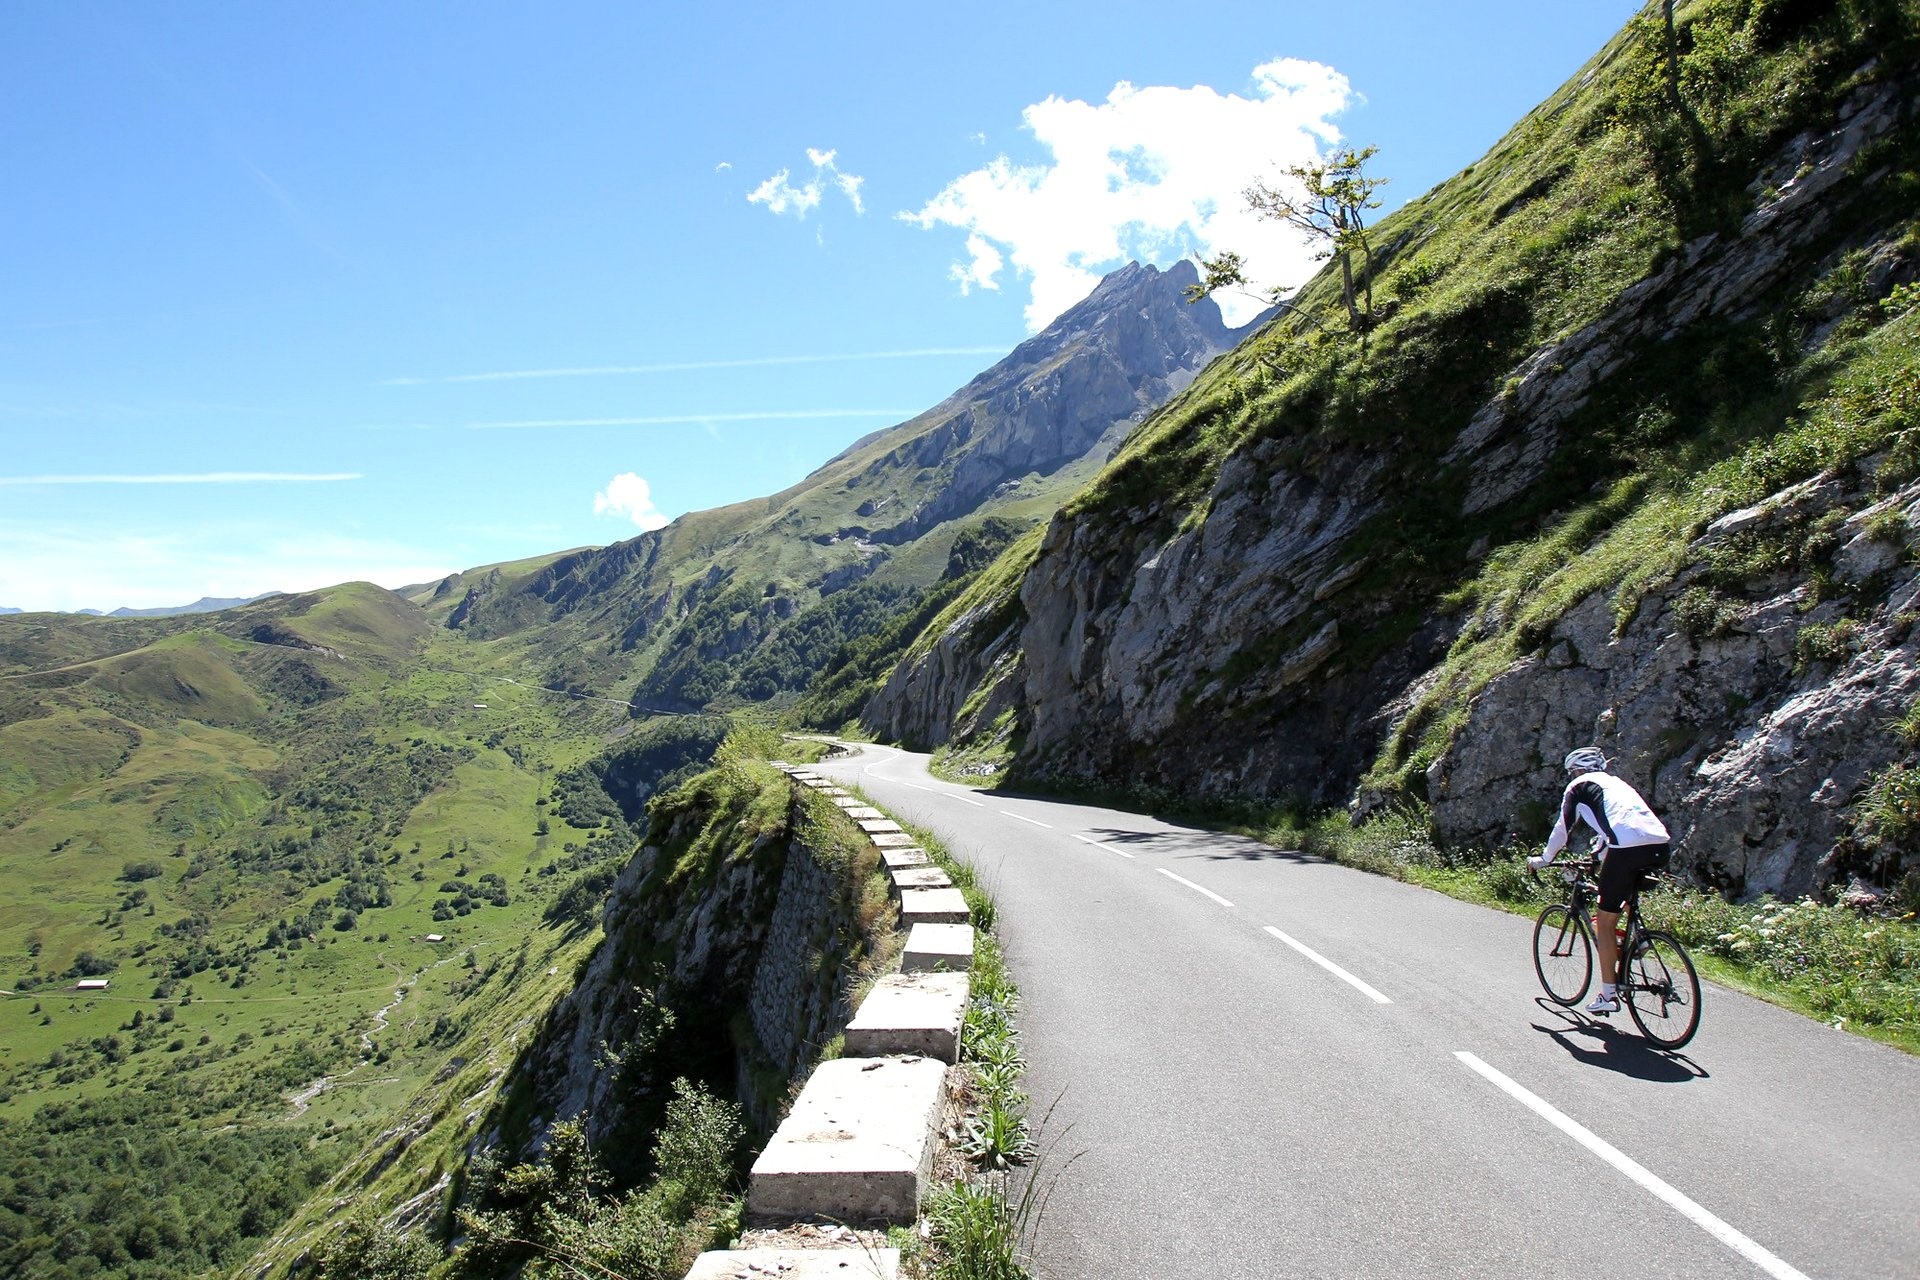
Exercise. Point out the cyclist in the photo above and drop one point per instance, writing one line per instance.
(1632, 840)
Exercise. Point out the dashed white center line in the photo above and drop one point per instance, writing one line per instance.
(1329, 966)
(1024, 818)
(1753, 1252)
(1191, 885)
(975, 803)
(916, 786)
(1099, 844)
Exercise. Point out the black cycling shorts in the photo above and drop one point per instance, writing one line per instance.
(1623, 871)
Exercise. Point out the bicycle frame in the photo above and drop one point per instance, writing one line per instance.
(1581, 892)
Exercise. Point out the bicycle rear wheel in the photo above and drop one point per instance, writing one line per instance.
(1562, 954)
(1662, 990)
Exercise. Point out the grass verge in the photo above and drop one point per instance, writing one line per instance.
(1850, 969)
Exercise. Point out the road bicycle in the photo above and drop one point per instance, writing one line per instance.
(1656, 977)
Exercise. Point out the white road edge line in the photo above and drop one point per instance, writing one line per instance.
(1329, 966)
(1099, 844)
(1035, 821)
(1191, 885)
(1740, 1244)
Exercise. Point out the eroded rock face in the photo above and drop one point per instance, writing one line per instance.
(1510, 441)
(1125, 653)
(1756, 762)
(763, 939)
(1244, 650)
(1090, 377)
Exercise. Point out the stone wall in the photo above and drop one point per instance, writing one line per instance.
(801, 983)
(753, 964)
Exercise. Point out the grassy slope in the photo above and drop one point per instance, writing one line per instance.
(177, 750)
(1593, 190)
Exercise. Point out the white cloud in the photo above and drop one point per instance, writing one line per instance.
(981, 270)
(723, 166)
(781, 195)
(629, 495)
(1154, 173)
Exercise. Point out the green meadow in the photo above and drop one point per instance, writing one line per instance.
(315, 847)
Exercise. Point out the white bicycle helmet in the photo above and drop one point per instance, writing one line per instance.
(1585, 760)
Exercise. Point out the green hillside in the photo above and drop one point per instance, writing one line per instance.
(339, 856)
(312, 845)
(1508, 431)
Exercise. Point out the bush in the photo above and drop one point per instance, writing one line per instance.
(558, 1217)
(1828, 642)
(1703, 613)
(1889, 813)
(366, 1248)
(696, 1147)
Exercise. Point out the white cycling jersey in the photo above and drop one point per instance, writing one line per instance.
(1612, 808)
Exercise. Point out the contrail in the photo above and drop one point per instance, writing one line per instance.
(623, 370)
(656, 420)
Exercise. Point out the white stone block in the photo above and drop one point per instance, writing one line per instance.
(911, 1013)
(938, 946)
(933, 906)
(857, 1146)
(797, 1264)
(920, 878)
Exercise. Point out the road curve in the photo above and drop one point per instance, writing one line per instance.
(1263, 1065)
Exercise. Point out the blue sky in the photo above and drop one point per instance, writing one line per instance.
(292, 295)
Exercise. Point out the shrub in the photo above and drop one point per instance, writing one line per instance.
(1703, 613)
(366, 1248)
(1889, 813)
(696, 1147)
(1828, 642)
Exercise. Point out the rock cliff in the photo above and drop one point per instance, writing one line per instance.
(1270, 594)
(732, 941)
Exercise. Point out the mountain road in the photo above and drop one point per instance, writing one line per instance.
(1256, 1063)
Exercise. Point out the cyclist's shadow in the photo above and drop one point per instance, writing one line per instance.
(1616, 1050)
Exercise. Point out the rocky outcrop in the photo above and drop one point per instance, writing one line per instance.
(1262, 639)
(924, 700)
(1089, 378)
(1715, 278)
(770, 940)
(1757, 743)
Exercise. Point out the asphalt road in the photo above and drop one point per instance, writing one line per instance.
(1264, 1065)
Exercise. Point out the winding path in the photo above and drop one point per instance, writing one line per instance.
(1261, 1064)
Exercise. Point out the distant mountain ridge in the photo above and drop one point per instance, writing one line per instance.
(205, 604)
(732, 605)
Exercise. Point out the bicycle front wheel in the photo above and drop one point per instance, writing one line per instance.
(1662, 990)
(1562, 954)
